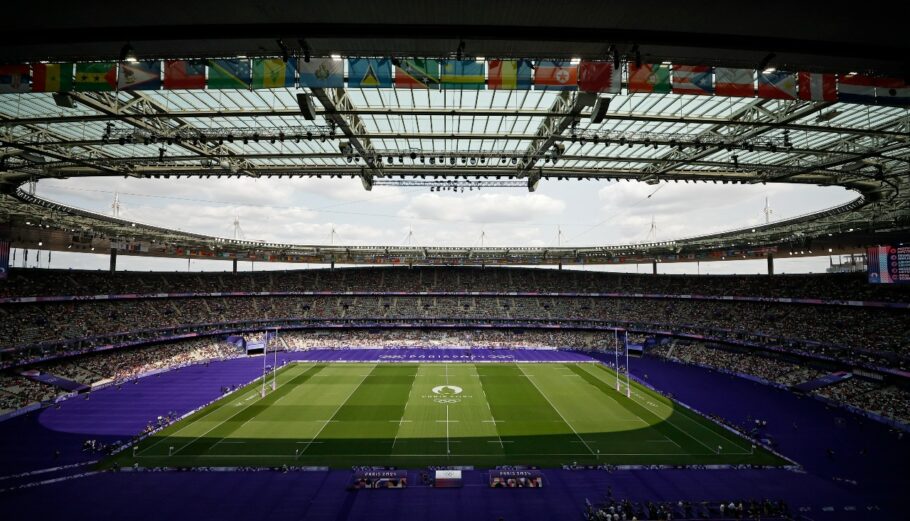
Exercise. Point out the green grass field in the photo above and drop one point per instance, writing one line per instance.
(414, 415)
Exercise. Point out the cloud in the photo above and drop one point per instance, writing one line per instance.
(482, 208)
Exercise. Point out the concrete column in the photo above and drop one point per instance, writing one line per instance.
(234, 262)
(770, 264)
(654, 267)
(113, 260)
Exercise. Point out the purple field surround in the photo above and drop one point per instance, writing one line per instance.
(864, 477)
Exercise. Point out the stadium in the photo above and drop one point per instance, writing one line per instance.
(502, 260)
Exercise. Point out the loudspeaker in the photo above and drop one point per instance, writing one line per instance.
(600, 110)
(64, 100)
(306, 106)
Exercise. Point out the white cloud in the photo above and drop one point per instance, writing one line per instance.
(482, 207)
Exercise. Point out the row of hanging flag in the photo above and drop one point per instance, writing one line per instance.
(589, 76)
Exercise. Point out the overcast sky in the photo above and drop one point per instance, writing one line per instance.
(305, 211)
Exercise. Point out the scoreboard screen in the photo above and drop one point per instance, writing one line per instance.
(888, 264)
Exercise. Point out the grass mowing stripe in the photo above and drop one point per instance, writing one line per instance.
(228, 426)
(308, 445)
(557, 411)
(210, 410)
(489, 409)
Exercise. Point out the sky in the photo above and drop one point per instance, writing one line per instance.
(340, 211)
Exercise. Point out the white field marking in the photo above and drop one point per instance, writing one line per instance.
(500, 441)
(403, 410)
(557, 411)
(440, 441)
(667, 420)
(490, 409)
(448, 451)
(446, 421)
(255, 393)
(660, 441)
(307, 442)
(492, 421)
(336, 412)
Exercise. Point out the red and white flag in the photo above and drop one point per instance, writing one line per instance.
(817, 87)
(734, 82)
(855, 88)
(693, 79)
(777, 85)
(599, 77)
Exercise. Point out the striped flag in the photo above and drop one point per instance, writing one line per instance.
(599, 77)
(95, 77)
(4, 259)
(509, 74)
(734, 82)
(777, 85)
(229, 74)
(14, 78)
(272, 73)
(183, 74)
(855, 88)
(816, 87)
(369, 73)
(52, 77)
(692, 79)
(417, 74)
(649, 78)
(464, 74)
(892, 91)
(321, 73)
(144, 75)
(556, 75)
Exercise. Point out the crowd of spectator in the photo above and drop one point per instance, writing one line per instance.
(18, 391)
(612, 509)
(840, 287)
(855, 334)
(875, 397)
(334, 339)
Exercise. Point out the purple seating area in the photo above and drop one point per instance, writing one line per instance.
(854, 484)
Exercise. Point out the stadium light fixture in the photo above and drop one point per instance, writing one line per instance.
(285, 54)
(336, 57)
(128, 54)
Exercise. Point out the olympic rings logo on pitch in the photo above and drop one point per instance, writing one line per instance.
(447, 394)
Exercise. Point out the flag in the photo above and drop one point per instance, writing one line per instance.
(465, 74)
(556, 75)
(892, 91)
(95, 76)
(692, 79)
(855, 88)
(4, 259)
(52, 77)
(144, 75)
(734, 82)
(229, 74)
(321, 73)
(649, 78)
(599, 77)
(369, 72)
(509, 74)
(816, 87)
(777, 85)
(272, 73)
(417, 74)
(183, 74)
(14, 78)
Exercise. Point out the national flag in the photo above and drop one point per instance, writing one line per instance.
(734, 82)
(4, 259)
(692, 79)
(892, 91)
(555, 75)
(509, 74)
(229, 74)
(14, 78)
(464, 74)
(52, 77)
(817, 87)
(144, 75)
(184, 74)
(272, 73)
(777, 85)
(649, 78)
(369, 73)
(855, 88)
(599, 77)
(95, 76)
(417, 74)
(321, 73)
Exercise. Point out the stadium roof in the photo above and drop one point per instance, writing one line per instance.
(460, 138)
